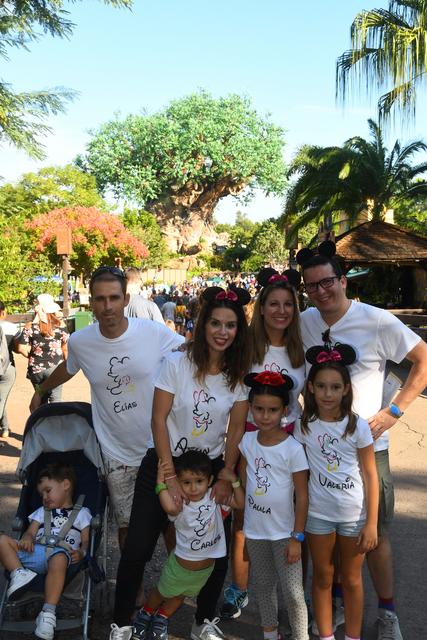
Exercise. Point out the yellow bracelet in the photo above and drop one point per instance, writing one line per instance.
(236, 484)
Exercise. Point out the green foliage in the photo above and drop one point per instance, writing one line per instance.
(342, 182)
(98, 238)
(269, 243)
(389, 49)
(49, 188)
(412, 214)
(23, 115)
(144, 226)
(20, 264)
(197, 145)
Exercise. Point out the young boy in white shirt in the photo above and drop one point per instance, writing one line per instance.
(30, 556)
(200, 539)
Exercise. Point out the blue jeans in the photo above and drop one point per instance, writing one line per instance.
(37, 560)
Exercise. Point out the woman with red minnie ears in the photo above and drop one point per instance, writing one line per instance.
(199, 399)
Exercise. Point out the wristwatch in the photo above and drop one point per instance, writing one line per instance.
(394, 410)
(298, 535)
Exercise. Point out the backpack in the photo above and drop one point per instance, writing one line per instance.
(4, 353)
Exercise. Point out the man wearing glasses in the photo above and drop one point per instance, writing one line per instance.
(120, 357)
(377, 337)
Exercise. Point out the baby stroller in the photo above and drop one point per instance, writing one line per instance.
(62, 432)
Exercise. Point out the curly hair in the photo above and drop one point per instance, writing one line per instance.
(236, 358)
(292, 334)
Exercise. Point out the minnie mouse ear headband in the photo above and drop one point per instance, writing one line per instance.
(271, 276)
(326, 249)
(342, 353)
(237, 295)
(279, 381)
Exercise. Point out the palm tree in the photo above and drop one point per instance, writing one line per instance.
(389, 48)
(360, 176)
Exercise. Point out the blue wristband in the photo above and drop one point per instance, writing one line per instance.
(394, 410)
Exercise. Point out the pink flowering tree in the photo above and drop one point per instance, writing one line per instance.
(98, 238)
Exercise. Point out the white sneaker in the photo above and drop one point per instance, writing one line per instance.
(45, 625)
(207, 631)
(120, 633)
(21, 578)
(388, 625)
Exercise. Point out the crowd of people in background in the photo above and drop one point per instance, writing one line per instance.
(231, 369)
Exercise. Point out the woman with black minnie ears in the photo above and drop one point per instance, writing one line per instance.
(199, 399)
(276, 346)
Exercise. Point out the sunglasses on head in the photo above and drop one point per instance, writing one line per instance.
(115, 271)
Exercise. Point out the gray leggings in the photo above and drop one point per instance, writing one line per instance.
(268, 567)
(6, 384)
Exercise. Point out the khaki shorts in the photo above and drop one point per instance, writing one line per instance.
(175, 580)
(121, 485)
(386, 503)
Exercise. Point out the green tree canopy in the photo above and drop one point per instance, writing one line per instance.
(178, 163)
(20, 265)
(143, 225)
(362, 175)
(50, 188)
(23, 114)
(388, 51)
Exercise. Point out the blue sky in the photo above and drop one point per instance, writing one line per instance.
(280, 53)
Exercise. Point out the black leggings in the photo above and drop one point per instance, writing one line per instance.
(147, 521)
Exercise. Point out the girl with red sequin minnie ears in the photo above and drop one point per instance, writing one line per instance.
(276, 346)
(343, 485)
(273, 469)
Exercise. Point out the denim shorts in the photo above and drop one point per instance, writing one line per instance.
(321, 527)
(37, 559)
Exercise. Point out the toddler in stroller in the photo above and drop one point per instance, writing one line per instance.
(59, 550)
(58, 535)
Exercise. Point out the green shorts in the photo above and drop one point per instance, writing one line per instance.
(386, 503)
(178, 581)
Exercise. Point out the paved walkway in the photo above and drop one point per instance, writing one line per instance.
(409, 537)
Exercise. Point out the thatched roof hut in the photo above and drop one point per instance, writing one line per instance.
(380, 243)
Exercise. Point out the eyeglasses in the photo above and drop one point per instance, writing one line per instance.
(325, 283)
(115, 271)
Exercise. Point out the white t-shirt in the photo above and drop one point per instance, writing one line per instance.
(121, 372)
(58, 518)
(269, 508)
(200, 412)
(377, 336)
(276, 359)
(335, 488)
(199, 530)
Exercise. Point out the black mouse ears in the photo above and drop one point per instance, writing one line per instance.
(321, 354)
(237, 295)
(271, 276)
(326, 248)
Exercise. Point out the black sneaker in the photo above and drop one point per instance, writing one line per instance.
(159, 628)
(234, 601)
(142, 626)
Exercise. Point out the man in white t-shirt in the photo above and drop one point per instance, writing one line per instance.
(377, 337)
(139, 306)
(120, 357)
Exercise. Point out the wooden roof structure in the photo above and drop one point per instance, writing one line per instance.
(380, 243)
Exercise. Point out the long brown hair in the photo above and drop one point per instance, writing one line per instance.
(48, 328)
(236, 358)
(310, 412)
(292, 334)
